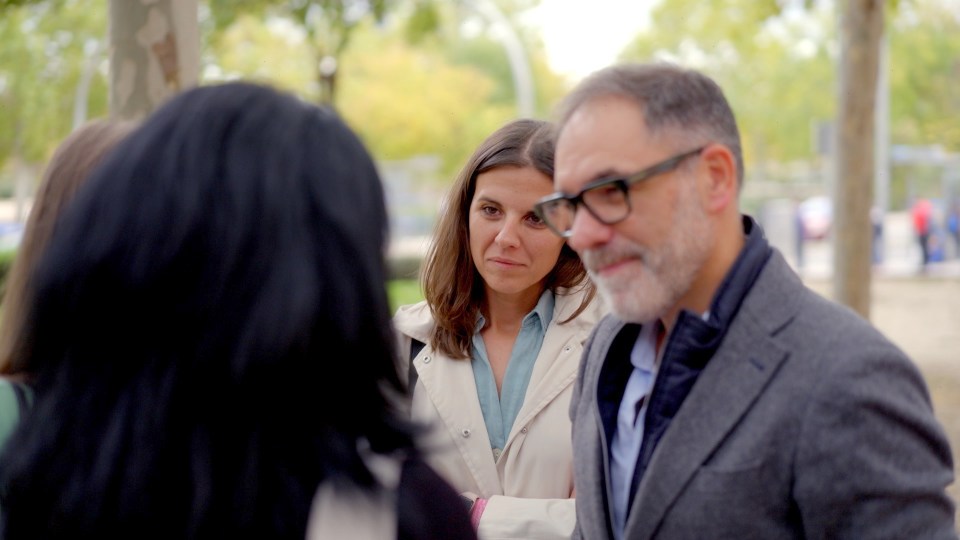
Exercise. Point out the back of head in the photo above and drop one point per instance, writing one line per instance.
(71, 164)
(677, 103)
(452, 286)
(216, 288)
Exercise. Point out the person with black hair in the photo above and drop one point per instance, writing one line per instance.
(213, 294)
(72, 162)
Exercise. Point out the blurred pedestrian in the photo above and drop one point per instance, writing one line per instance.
(800, 232)
(922, 215)
(212, 345)
(495, 346)
(953, 226)
(876, 243)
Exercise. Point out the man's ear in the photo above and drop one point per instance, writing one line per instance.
(720, 168)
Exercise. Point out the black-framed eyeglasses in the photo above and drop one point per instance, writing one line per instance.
(606, 198)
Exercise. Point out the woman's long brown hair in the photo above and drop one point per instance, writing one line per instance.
(71, 164)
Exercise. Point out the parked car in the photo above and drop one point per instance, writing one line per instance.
(816, 217)
(10, 234)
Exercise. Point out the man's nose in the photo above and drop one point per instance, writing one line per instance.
(587, 231)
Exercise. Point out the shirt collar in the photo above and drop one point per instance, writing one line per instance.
(543, 311)
(541, 314)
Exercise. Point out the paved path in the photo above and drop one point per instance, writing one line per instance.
(921, 314)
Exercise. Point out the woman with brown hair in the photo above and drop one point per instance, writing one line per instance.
(495, 346)
(71, 164)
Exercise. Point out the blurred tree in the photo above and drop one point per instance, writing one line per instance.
(779, 62)
(454, 82)
(489, 37)
(49, 79)
(406, 101)
(462, 47)
(154, 53)
(154, 49)
(271, 51)
(775, 58)
(328, 25)
(46, 49)
(488, 56)
(772, 64)
(403, 100)
(925, 74)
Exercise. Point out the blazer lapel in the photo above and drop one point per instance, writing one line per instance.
(592, 500)
(726, 389)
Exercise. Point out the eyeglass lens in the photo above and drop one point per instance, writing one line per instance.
(607, 203)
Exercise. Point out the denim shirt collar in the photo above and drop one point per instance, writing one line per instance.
(541, 314)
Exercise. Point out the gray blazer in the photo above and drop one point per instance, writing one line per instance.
(806, 423)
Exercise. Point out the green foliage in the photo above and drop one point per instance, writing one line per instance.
(338, 14)
(45, 51)
(405, 101)
(403, 292)
(252, 50)
(6, 262)
(422, 22)
(487, 56)
(777, 67)
(439, 94)
(777, 73)
(925, 75)
(10, 4)
(406, 267)
(329, 26)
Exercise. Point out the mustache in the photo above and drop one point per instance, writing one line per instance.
(595, 259)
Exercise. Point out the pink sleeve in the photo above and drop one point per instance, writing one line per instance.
(476, 512)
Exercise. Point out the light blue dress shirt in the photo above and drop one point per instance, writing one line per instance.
(500, 412)
(625, 446)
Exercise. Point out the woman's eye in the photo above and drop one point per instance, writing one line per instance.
(489, 210)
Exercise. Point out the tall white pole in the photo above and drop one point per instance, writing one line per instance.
(516, 55)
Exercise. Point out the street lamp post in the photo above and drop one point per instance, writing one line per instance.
(516, 55)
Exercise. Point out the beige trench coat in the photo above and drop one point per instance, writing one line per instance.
(530, 486)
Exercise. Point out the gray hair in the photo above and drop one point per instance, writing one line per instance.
(676, 102)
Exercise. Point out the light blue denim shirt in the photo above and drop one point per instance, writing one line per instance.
(499, 413)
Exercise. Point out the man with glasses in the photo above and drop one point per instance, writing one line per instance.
(723, 399)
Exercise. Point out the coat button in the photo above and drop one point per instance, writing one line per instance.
(524, 430)
(567, 348)
(426, 359)
(465, 433)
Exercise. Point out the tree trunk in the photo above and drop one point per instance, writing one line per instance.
(154, 53)
(861, 31)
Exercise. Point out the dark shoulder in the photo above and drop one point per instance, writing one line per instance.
(781, 304)
(604, 332)
(428, 507)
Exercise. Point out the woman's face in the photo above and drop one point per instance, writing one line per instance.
(511, 247)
